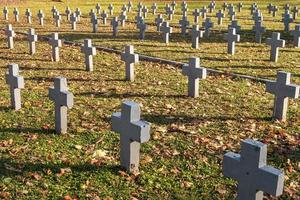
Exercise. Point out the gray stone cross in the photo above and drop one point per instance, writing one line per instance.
(253, 8)
(240, 6)
(130, 58)
(53, 10)
(220, 15)
(295, 12)
(28, 15)
(196, 33)
(57, 18)
(287, 19)
(184, 24)
(158, 21)
(95, 22)
(257, 16)
(98, 8)
(154, 8)
(41, 17)
(5, 13)
(111, 9)
(123, 18)
(55, 42)
(270, 7)
(275, 9)
(10, 33)
(143, 27)
(286, 7)
(203, 12)
(68, 12)
(194, 72)
(16, 83)
(89, 51)
(196, 15)
(211, 7)
(92, 12)
(124, 8)
(16, 13)
(208, 24)
(63, 99)
(133, 131)
(170, 13)
(140, 6)
(32, 38)
(184, 9)
(275, 42)
(139, 19)
(259, 30)
(283, 90)
(296, 34)
(251, 171)
(235, 24)
(115, 25)
(129, 6)
(73, 20)
(78, 14)
(104, 16)
(166, 29)
(231, 38)
(173, 5)
(224, 6)
(145, 11)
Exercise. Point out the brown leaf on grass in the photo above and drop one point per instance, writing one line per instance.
(6, 143)
(36, 176)
(63, 171)
(4, 195)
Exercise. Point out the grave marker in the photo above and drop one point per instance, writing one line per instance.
(251, 171)
(296, 34)
(78, 14)
(184, 24)
(145, 11)
(143, 27)
(130, 58)
(123, 18)
(73, 20)
(28, 15)
(231, 38)
(63, 100)
(234, 24)
(154, 8)
(16, 83)
(41, 17)
(32, 38)
(104, 16)
(196, 15)
(129, 6)
(287, 19)
(95, 22)
(98, 8)
(158, 21)
(68, 12)
(275, 42)
(111, 9)
(196, 33)
(16, 13)
(295, 12)
(55, 43)
(57, 18)
(203, 12)
(5, 13)
(275, 9)
(10, 33)
(194, 72)
(283, 90)
(133, 131)
(259, 30)
(220, 15)
(207, 25)
(115, 25)
(166, 30)
(240, 6)
(89, 51)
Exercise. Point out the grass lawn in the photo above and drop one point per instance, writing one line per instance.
(189, 136)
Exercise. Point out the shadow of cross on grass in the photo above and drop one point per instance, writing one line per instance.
(11, 168)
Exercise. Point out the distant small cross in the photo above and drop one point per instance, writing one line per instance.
(235, 24)
(78, 14)
(196, 34)
(95, 22)
(16, 83)
(270, 7)
(154, 8)
(196, 15)
(133, 131)
(130, 58)
(184, 24)
(16, 13)
(63, 99)
(194, 72)
(5, 13)
(296, 34)
(251, 171)
(158, 21)
(57, 18)
(231, 38)
(143, 27)
(68, 13)
(259, 30)
(123, 18)
(283, 90)
(111, 9)
(98, 8)
(73, 20)
(104, 16)
(275, 42)
(89, 51)
(115, 25)
(203, 12)
(295, 12)
(28, 15)
(41, 17)
(10, 33)
(240, 6)
(166, 29)
(145, 11)
(220, 15)
(32, 38)
(55, 43)
(208, 24)
(287, 19)
(275, 9)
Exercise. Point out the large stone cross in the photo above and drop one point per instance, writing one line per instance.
(296, 34)
(89, 51)
(196, 33)
(41, 17)
(10, 33)
(111, 9)
(184, 24)
(220, 15)
(196, 15)
(73, 20)
(5, 13)
(158, 21)
(166, 29)
(194, 72)
(55, 43)
(287, 19)
(231, 38)
(32, 38)
(251, 171)
(115, 25)
(16, 13)
(130, 58)
(275, 42)
(28, 15)
(104, 16)
(208, 24)
(133, 131)
(259, 30)
(16, 83)
(283, 90)
(63, 99)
